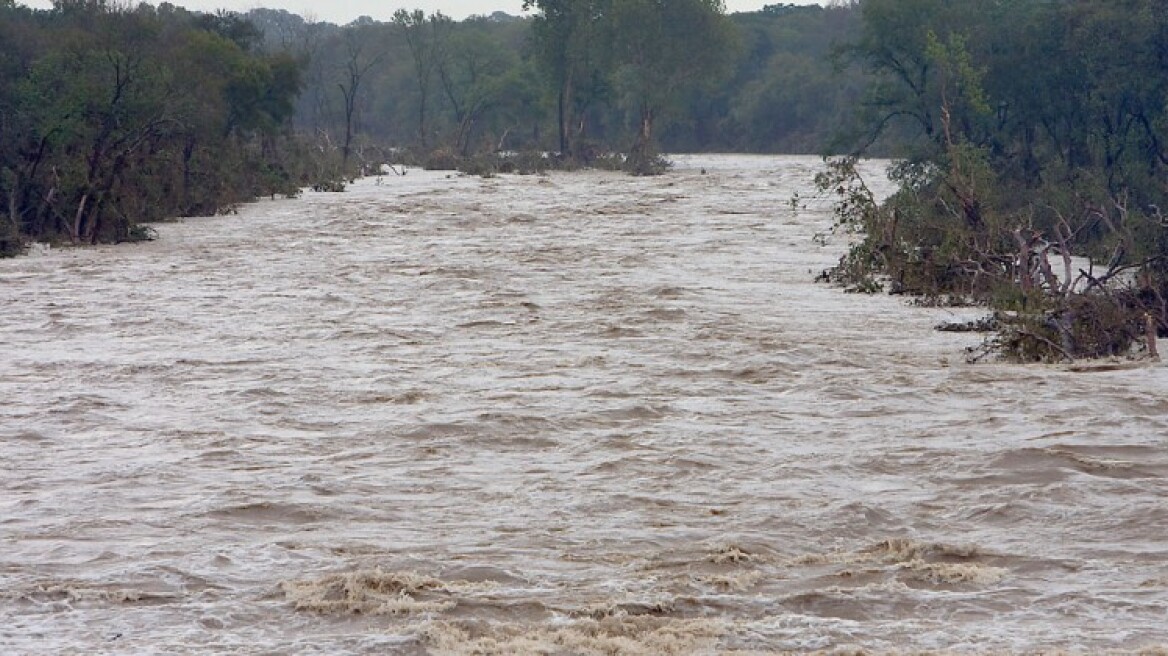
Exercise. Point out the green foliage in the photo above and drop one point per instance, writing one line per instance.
(112, 118)
(661, 51)
(857, 213)
(1035, 144)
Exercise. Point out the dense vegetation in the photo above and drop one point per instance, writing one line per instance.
(1034, 138)
(113, 115)
(112, 118)
(576, 77)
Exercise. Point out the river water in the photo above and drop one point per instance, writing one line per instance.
(579, 413)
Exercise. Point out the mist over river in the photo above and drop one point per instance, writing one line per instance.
(580, 413)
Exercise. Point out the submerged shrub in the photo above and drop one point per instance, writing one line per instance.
(928, 242)
(11, 244)
(330, 185)
(137, 233)
(441, 159)
(481, 165)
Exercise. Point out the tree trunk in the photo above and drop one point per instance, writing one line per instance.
(566, 101)
(422, 120)
(465, 126)
(640, 161)
(45, 211)
(187, 155)
(13, 205)
(646, 136)
(94, 225)
(79, 219)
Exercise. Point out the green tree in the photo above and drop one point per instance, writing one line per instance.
(567, 41)
(660, 50)
(112, 117)
(1039, 137)
(475, 77)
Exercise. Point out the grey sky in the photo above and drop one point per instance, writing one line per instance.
(344, 11)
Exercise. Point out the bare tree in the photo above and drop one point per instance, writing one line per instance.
(358, 63)
(427, 38)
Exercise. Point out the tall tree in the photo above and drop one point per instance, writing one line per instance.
(474, 78)
(567, 39)
(661, 50)
(358, 62)
(427, 38)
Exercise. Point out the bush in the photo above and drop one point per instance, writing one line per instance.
(11, 244)
(646, 162)
(441, 159)
(937, 243)
(525, 163)
(480, 165)
(140, 232)
(329, 185)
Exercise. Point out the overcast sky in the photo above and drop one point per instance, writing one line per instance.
(344, 11)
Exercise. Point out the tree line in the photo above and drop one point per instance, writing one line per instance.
(113, 115)
(1031, 137)
(576, 77)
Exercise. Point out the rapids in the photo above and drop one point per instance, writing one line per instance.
(579, 413)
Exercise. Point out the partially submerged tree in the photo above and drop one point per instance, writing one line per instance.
(567, 40)
(660, 51)
(475, 78)
(1035, 181)
(360, 58)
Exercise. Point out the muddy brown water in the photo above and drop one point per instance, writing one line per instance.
(568, 414)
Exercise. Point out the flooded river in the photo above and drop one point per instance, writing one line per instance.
(579, 413)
